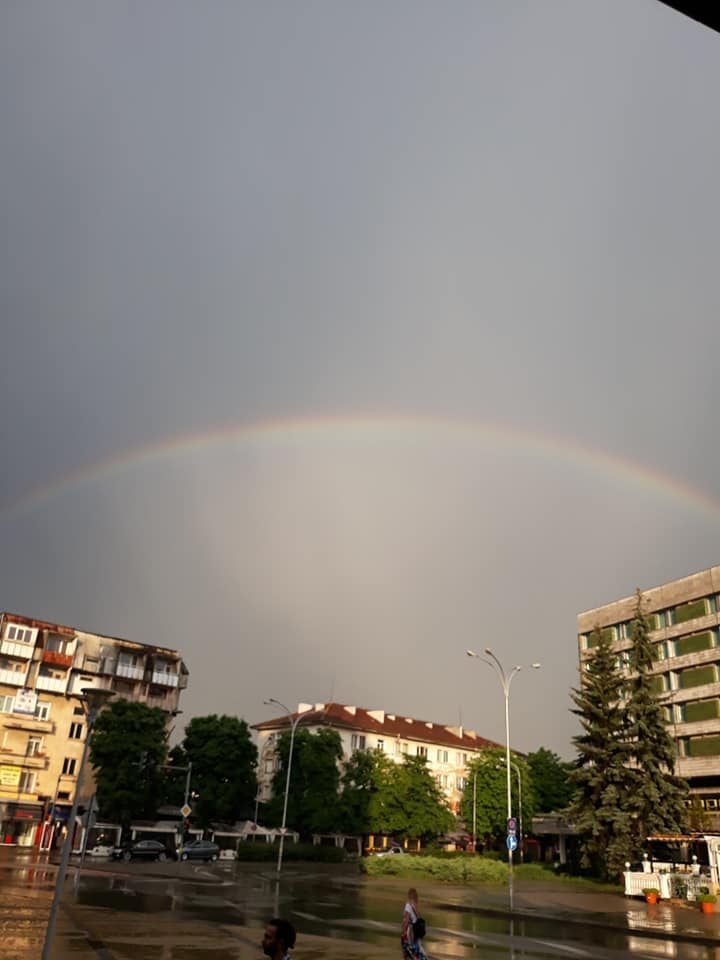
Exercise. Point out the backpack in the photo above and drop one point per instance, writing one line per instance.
(418, 928)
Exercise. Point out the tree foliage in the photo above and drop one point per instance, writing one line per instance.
(657, 802)
(602, 778)
(484, 798)
(549, 776)
(625, 787)
(223, 759)
(383, 797)
(128, 747)
(313, 805)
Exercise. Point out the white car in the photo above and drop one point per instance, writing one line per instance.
(391, 850)
(100, 850)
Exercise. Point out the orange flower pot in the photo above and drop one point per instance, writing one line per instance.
(652, 898)
(707, 907)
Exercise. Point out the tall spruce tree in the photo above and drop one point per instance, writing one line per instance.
(657, 801)
(602, 780)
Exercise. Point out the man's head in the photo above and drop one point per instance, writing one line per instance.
(278, 939)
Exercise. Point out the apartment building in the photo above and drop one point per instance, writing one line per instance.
(448, 750)
(42, 726)
(686, 632)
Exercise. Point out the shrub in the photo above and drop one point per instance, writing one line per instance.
(444, 869)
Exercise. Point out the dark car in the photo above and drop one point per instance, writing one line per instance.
(142, 850)
(200, 850)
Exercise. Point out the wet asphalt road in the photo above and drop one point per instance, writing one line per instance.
(216, 912)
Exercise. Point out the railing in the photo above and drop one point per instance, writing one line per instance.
(22, 650)
(53, 684)
(16, 678)
(57, 659)
(129, 673)
(163, 679)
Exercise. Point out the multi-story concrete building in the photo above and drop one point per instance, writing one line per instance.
(42, 727)
(448, 749)
(686, 633)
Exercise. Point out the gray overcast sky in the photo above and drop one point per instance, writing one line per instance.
(219, 215)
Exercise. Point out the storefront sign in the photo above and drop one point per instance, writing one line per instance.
(9, 776)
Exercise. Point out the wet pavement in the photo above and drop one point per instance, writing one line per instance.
(185, 911)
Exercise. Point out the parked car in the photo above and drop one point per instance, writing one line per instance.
(200, 850)
(142, 850)
(391, 850)
(100, 850)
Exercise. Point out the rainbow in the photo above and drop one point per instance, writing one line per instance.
(343, 432)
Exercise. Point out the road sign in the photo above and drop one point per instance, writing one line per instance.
(185, 810)
(512, 842)
(511, 825)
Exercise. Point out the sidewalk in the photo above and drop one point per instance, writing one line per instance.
(676, 920)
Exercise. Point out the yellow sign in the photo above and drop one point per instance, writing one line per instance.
(9, 776)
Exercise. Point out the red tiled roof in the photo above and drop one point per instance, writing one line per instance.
(382, 723)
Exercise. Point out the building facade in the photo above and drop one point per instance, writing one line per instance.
(686, 633)
(448, 750)
(42, 726)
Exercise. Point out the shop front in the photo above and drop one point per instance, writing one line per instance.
(20, 823)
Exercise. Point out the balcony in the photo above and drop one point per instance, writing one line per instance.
(16, 721)
(53, 684)
(163, 679)
(16, 678)
(33, 761)
(128, 672)
(79, 682)
(22, 651)
(57, 659)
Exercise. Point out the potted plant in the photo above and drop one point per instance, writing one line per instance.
(651, 894)
(707, 902)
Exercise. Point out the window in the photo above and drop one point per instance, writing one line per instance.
(357, 741)
(7, 704)
(26, 783)
(42, 710)
(78, 712)
(421, 751)
(403, 748)
(442, 756)
(381, 745)
(34, 746)
(68, 767)
(462, 782)
(19, 634)
(76, 731)
(269, 766)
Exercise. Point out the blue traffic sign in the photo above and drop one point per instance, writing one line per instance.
(512, 842)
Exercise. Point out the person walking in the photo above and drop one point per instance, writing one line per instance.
(279, 939)
(413, 928)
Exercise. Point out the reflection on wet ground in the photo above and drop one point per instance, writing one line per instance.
(186, 912)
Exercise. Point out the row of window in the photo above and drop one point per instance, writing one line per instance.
(682, 613)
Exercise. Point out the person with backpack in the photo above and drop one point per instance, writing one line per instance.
(413, 928)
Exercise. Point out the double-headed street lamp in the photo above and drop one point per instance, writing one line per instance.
(505, 680)
(294, 721)
(92, 700)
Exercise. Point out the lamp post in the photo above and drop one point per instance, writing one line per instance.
(506, 680)
(293, 727)
(92, 701)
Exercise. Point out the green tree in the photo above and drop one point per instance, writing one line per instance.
(549, 776)
(485, 794)
(313, 805)
(128, 747)
(602, 779)
(224, 760)
(426, 810)
(657, 800)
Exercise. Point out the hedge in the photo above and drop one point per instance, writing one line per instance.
(446, 870)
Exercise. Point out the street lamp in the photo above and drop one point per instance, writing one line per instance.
(506, 680)
(293, 727)
(92, 700)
